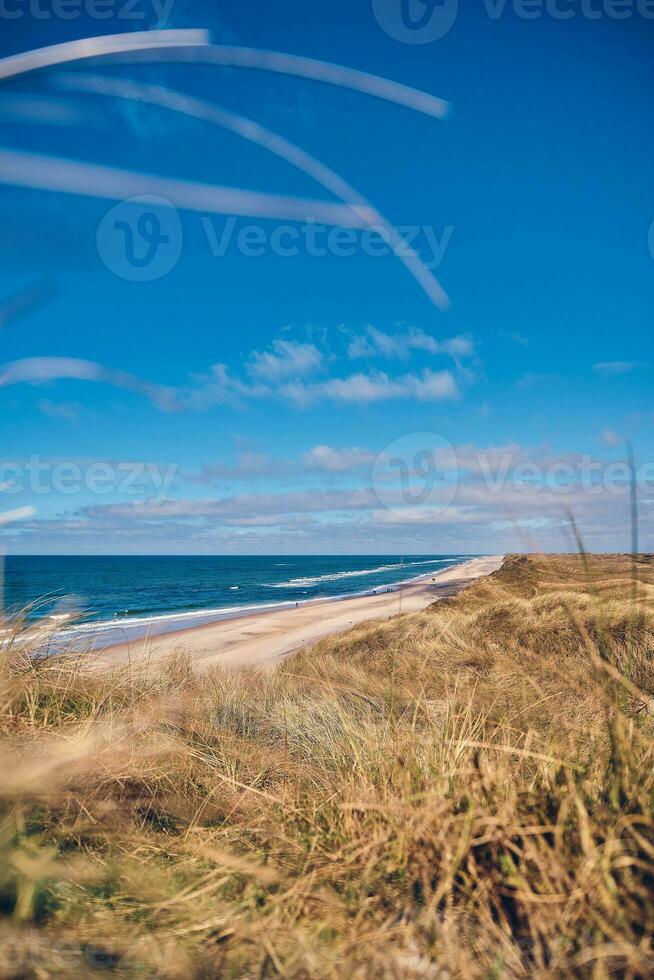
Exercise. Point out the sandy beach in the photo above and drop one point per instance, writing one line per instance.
(263, 639)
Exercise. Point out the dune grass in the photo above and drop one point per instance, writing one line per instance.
(464, 792)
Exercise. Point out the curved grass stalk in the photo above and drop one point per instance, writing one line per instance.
(93, 47)
(68, 176)
(312, 69)
(195, 45)
(272, 142)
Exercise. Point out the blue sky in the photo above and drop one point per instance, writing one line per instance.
(264, 391)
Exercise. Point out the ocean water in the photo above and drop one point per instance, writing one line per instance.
(113, 599)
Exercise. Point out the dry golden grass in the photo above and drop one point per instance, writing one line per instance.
(466, 792)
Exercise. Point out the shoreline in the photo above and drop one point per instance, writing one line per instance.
(197, 619)
(263, 638)
(150, 625)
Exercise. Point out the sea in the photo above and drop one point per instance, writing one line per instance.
(107, 600)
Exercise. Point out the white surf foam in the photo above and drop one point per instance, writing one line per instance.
(336, 576)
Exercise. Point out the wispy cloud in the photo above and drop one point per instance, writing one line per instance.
(374, 387)
(248, 467)
(239, 506)
(68, 411)
(19, 514)
(252, 467)
(508, 497)
(284, 372)
(618, 367)
(337, 460)
(286, 359)
(221, 387)
(377, 343)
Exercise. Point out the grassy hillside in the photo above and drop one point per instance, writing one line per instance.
(463, 792)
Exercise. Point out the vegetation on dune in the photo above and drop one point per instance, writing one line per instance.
(464, 792)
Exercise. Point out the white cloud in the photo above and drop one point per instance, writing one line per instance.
(361, 388)
(286, 360)
(240, 506)
(374, 387)
(286, 371)
(469, 458)
(267, 369)
(459, 347)
(617, 367)
(434, 385)
(220, 387)
(508, 497)
(251, 467)
(19, 514)
(337, 460)
(407, 516)
(376, 343)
